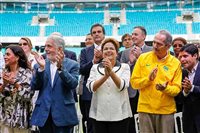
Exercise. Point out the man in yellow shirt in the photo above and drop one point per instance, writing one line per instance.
(157, 75)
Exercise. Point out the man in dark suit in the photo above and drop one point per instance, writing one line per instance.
(191, 88)
(89, 56)
(55, 78)
(130, 56)
(89, 41)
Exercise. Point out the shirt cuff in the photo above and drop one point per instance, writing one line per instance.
(40, 70)
(192, 88)
(186, 94)
(122, 85)
(90, 87)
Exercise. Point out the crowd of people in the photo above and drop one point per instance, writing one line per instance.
(38, 92)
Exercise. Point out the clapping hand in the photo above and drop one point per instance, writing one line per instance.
(97, 55)
(153, 74)
(40, 60)
(107, 65)
(137, 51)
(161, 87)
(8, 78)
(132, 56)
(59, 58)
(186, 84)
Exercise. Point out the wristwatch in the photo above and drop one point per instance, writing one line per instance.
(60, 68)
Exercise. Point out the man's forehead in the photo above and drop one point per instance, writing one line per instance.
(137, 30)
(160, 37)
(183, 52)
(49, 41)
(88, 36)
(96, 28)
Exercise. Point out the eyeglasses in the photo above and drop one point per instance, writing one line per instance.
(178, 45)
(23, 44)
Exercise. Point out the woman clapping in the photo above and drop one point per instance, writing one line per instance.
(110, 107)
(15, 91)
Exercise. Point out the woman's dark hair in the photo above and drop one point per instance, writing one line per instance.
(18, 51)
(179, 39)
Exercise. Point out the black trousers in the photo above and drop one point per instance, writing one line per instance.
(111, 126)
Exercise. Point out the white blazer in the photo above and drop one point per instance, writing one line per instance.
(110, 103)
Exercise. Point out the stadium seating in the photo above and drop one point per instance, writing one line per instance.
(196, 28)
(75, 24)
(78, 24)
(153, 21)
(17, 24)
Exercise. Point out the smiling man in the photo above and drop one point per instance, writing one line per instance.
(157, 75)
(191, 88)
(55, 77)
(130, 56)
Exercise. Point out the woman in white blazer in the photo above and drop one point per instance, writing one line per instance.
(109, 80)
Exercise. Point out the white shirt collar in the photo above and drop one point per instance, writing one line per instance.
(97, 46)
(53, 69)
(195, 68)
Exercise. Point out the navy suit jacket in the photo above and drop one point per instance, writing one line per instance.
(191, 106)
(86, 64)
(56, 99)
(71, 55)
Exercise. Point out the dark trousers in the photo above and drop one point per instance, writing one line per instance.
(111, 126)
(191, 123)
(50, 127)
(133, 103)
(85, 109)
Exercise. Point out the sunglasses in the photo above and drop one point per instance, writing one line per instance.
(23, 44)
(178, 45)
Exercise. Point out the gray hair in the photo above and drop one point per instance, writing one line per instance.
(58, 40)
(168, 36)
(57, 33)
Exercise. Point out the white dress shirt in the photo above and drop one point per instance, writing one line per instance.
(53, 69)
